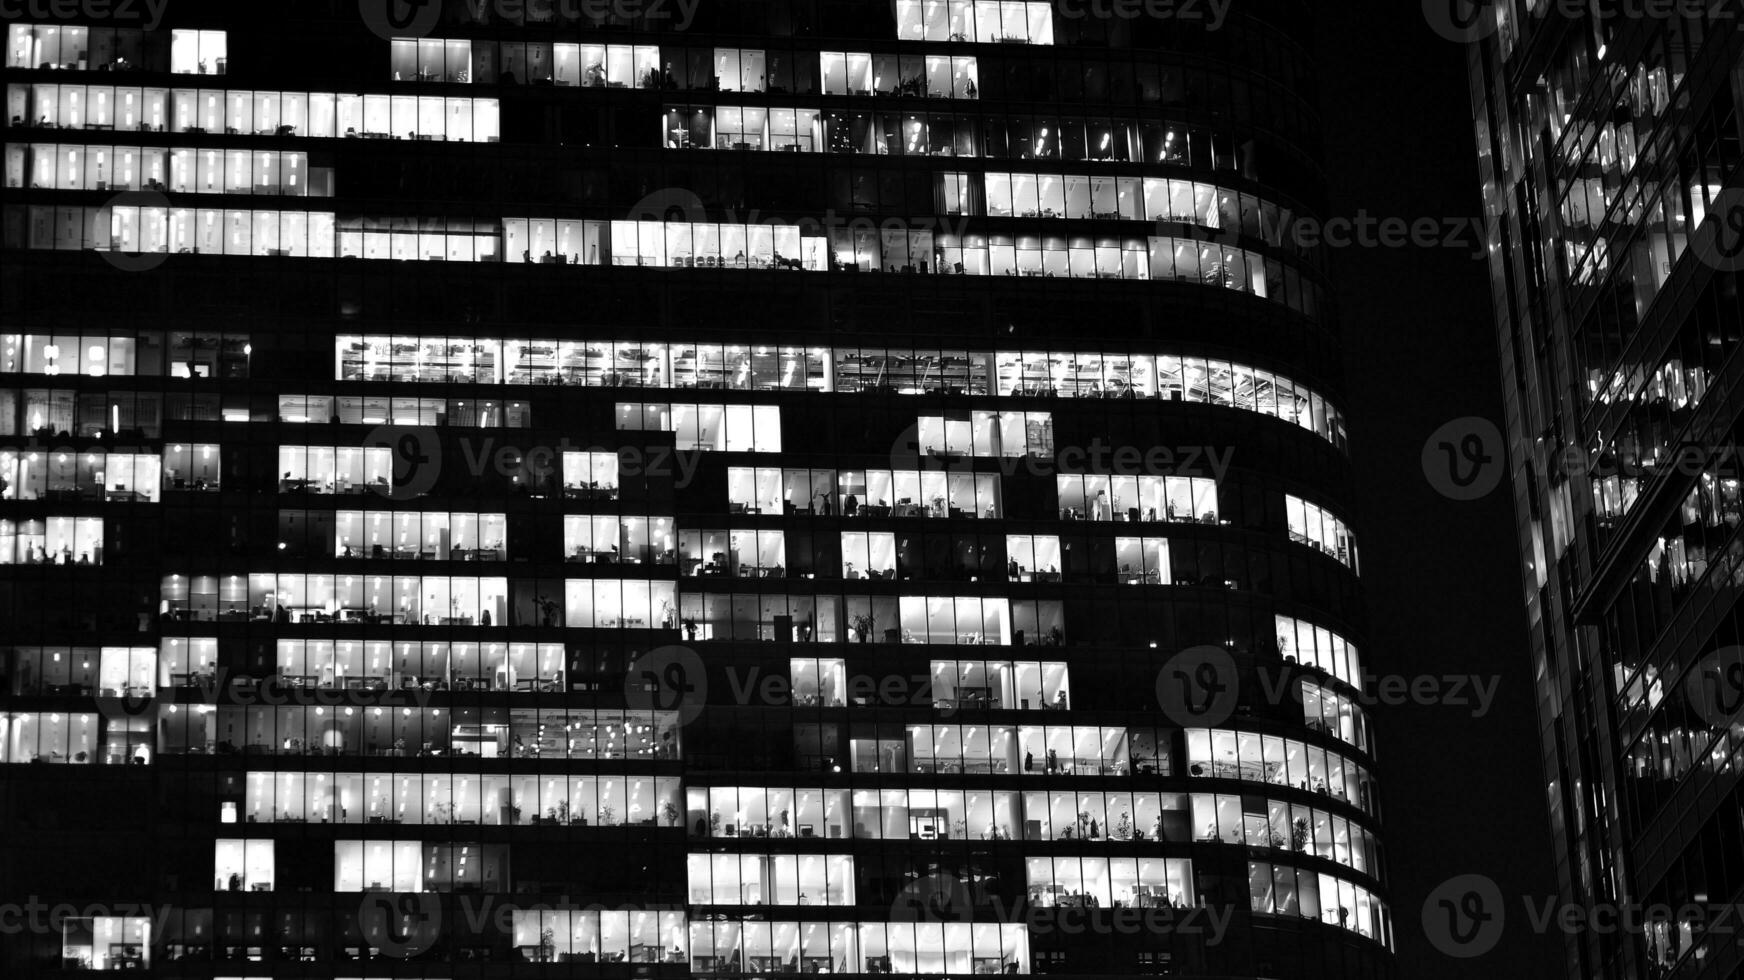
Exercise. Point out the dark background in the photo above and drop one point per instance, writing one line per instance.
(1460, 794)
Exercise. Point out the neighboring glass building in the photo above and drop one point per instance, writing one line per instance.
(636, 498)
(1610, 153)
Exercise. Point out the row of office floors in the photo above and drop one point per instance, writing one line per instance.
(915, 726)
(607, 601)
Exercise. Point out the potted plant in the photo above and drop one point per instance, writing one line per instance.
(863, 627)
(1299, 834)
(608, 816)
(547, 945)
(562, 811)
(669, 810)
(690, 629)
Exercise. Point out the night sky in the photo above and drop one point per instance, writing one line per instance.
(1460, 795)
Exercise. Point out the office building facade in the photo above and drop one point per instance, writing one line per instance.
(664, 490)
(1608, 149)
